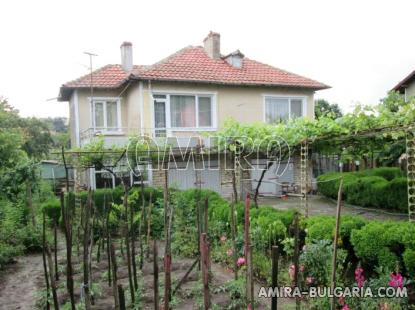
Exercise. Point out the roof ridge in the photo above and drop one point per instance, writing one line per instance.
(168, 58)
(88, 74)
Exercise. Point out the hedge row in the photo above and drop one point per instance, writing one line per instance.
(384, 188)
(374, 243)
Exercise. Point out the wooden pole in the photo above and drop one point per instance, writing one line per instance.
(150, 207)
(167, 254)
(85, 285)
(68, 238)
(133, 253)
(156, 275)
(121, 297)
(114, 276)
(336, 238)
(182, 280)
(250, 278)
(127, 244)
(45, 269)
(55, 244)
(275, 256)
(52, 279)
(296, 257)
(204, 254)
(233, 232)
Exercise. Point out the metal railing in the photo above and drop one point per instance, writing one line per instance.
(120, 136)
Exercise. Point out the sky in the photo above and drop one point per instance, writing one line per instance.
(360, 48)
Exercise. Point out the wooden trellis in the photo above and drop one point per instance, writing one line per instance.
(304, 176)
(410, 165)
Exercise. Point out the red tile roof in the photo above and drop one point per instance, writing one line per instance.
(192, 64)
(109, 76)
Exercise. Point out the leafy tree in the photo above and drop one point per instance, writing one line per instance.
(323, 108)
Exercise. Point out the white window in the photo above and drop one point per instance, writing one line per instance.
(183, 111)
(279, 109)
(106, 114)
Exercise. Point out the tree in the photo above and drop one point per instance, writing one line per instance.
(323, 108)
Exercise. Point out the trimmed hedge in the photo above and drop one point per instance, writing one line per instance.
(386, 244)
(383, 188)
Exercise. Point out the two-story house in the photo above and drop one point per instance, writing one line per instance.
(193, 90)
(406, 87)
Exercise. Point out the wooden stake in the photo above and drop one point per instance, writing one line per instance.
(52, 279)
(233, 232)
(156, 275)
(114, 276)
(127, 245)
(274, 275)
(85, 285)
(167, 254)
(68, 237)
(296, 257)
(204, 257)
(182, 280)
(55, 243)
(149, 225)
(336, 238)
(45, 269)
(121, 297)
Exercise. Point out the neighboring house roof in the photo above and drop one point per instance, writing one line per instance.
(192, 64)
(400, 87)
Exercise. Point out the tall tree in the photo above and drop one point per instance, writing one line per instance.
(324, 108)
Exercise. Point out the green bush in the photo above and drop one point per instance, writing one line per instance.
(409, 261)
(388, 173)
(328, 183)
(367, 191)
(396, 194)
(52, 208)
(383, 188)
(8, 253)
(322, 227)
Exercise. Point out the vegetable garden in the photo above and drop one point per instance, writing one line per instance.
(162, 248)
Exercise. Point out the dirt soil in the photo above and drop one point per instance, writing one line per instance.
(20, 282)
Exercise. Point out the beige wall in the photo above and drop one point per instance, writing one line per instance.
(244, 104)
(410, 90)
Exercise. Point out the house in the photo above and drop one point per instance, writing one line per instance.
(191, 91)
(406, 87)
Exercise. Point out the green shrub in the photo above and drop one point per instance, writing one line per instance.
(52, 208)
(387, 259)
(383, 187)
(328, 183)
(8, 253)
(409, 261)
(388, 173)
(367, 191)
(396, 194)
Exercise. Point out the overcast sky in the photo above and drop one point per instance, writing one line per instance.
(360, 48)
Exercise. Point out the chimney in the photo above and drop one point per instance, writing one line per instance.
(212, 45)
(127, 56)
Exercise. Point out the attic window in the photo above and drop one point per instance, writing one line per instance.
(235, 59)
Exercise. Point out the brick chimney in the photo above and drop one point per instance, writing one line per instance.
(212, 45)
(127, 56)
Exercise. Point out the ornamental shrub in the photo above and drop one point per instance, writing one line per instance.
(366, 191)
(409, 261)
(383, 188)
(396, 194)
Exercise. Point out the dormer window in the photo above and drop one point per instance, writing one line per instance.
(235, 59)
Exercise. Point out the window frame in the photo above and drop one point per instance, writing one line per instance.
(105, 100)
(270, 96)
(196, 94)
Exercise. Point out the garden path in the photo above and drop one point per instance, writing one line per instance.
(319, 205)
